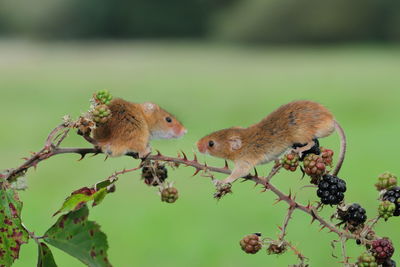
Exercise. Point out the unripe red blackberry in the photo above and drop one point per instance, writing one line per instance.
(366, 260)
(331, 189)
(151, 172)
(393, 195)
(101, 114)
(386, 181)
(290, 161)
(169, 194)
(386, 209)
(251, 244)
(354, 215)
(382, 249)
(313, 165)
(327, 156)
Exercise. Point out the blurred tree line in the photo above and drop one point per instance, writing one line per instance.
(257, 21)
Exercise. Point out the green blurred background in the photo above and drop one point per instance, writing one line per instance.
(214, 64)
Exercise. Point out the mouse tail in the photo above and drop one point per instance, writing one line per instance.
(343, 146)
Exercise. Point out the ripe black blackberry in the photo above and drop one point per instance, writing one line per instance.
(393, 195)
(389, 263)
(382, 249)
(150, 172)
(353, 215)
(331, 189)
(251, 244)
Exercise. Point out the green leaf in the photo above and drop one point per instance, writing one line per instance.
(80, 197)
(45, 256)
(12, 233)
(80, 238)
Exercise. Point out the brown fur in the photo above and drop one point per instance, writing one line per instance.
(296, 122)
(133, 125)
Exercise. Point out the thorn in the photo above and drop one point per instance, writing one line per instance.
(322, 228)
(158, 152)
(106, 158)
(277, 201)
(196, 172)
(178, 154)
(82, 156)
(194, 157)
(184, 156)
(226, 165)
(25, 158)
(205, 165)
(290, 194)
(255, 172)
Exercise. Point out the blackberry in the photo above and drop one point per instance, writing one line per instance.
(290, 161)
(251, 244)
(169, 194)
(331, 189)
(393, 195)
(382, 249)
(101, 114)
(314, 166)
(386, 209)
(386, 181)
(354, 215)
(366, 260)
(104, 97)
(154, 174)
(276, 248)
(327, 156)
(389, 263)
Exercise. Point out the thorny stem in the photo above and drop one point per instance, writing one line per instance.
(344, 254)
(285, 223)
(50, 150)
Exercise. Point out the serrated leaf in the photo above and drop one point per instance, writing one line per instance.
(12, 233)
(80, 238)
(45, 258)
(80, 197)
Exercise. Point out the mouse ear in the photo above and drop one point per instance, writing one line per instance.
(149, 107)
(235, 142)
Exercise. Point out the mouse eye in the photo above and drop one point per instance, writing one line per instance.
(210, 143)
(168, 119)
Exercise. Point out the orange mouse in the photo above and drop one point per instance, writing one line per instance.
(298, 122)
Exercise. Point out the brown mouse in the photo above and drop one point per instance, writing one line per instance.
(132, 125)
(298, 122)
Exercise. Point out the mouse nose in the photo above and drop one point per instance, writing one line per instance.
(200, 147)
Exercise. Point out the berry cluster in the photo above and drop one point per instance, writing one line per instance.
(223, 190)
(382, 249)
(101, 114)
(169, 194)
(386, 181)
(276, 248)
(353, 215)
(251, 244)
(154, 174)
(331, 189)
(327, 156)
(103, 97)
(313, 165)
(290, 161)
(393, 195)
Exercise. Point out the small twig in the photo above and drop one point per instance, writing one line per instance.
(344, 254)
(285, 223)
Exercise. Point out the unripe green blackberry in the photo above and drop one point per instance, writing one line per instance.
(393, 195)
(101, 114)
(382, 249)
(331, 189)
(353, 215)
(169, 194)
(104, 97)
(386, 181)
(366, 260)
(290, 161)
(314, 166)
(251, 244)
(150, 173)
(386, 209)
